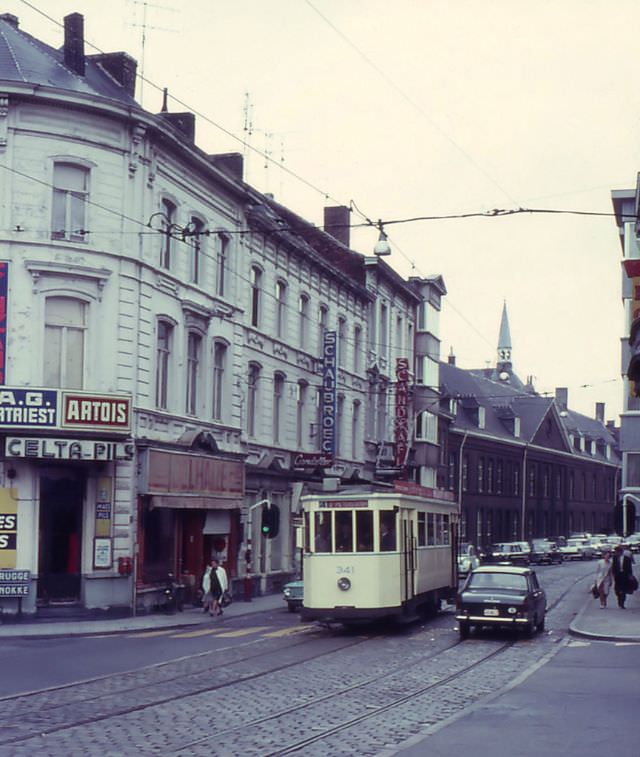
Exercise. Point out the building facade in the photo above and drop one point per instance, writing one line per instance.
(169, 334)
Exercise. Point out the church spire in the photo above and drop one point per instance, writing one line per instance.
(504, 342)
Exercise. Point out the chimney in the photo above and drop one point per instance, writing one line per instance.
(562, 397)
(121, 67)
(600, 412)
(451, 360)
(10, 19)
(337, 223)
(232, 163)
(74, 42)
(185, 123)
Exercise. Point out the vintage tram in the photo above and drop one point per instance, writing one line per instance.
(374, 555)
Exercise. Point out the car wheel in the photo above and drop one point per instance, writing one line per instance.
(529, 628)
(464, 629)
(291, 607)
(540, 626)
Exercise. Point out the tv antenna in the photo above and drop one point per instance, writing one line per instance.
(144, 26)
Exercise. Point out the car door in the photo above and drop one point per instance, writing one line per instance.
(539, 597)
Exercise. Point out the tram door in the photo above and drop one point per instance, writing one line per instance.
(408, 556)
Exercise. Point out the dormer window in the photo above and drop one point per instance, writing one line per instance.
(481, 417)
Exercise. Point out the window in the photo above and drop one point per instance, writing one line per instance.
(364, 531)
(427, 372)
(196, 250)
(342, 342)
(490, 476)
(632, 469)
(168, 210)
(219, 365)
(387, 525)
(322, 529)
(281, 308)
(355, 423)
(481, 474)
(452, 470)
(357, 349)
(516, 478)
(532, 480)
(399, 336)
(70, 193)
(431, 533)
(301, 413)
(383, 347)
(323, 316)
(465, 473)
(499, 475)
(163, 354)
(252, 397)
(278, 396)
(64, 344)
(545, 481)
(427, 427)
(381, 415)
(194, 344)
(222, 250)
(303, 315)
(428, 318)
(256, 283)
(344, 531)
(422, 530)
(572, 485)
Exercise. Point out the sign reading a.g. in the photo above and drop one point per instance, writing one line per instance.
(8, 527)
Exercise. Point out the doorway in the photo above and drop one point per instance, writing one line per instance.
(60, 540)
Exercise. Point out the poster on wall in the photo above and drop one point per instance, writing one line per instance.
(102, 553)
(8, 527)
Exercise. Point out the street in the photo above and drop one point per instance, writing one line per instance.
(267, 684)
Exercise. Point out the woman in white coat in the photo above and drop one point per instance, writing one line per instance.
(603, 578)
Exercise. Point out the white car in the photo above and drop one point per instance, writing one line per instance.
(586, 550)
(467, 559)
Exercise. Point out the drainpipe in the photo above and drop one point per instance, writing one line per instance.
(464, 439)
(523, 484)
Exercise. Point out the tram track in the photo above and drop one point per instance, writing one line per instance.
(210, 742)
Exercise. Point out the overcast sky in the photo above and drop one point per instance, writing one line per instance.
(425, 108)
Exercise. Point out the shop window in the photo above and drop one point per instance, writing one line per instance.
(158, 527)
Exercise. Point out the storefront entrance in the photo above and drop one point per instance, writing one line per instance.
(60, 540)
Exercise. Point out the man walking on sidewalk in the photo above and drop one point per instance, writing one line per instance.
(621, 571)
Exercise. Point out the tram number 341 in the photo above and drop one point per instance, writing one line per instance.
(341, 570)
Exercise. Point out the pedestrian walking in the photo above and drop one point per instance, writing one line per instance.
(603, 578)
(622, 575)
(219, 583)
(207, 597)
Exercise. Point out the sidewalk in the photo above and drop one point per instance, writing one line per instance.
(192, 616)
(610, 624)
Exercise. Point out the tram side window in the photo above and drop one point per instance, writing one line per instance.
(306, 532)
(445, 530)
(364, 530)
(323, 532)
(344, 531)
(439, 541)
(431, 534)
(387, 531)
(422, 530)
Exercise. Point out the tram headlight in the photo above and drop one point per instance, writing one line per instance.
(344, 584)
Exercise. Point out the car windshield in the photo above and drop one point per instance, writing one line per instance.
(498, 581)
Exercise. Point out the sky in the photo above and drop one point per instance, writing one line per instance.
(424, 108)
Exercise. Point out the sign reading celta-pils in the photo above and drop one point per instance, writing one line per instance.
(95, 411)
(4, 291)
(67, 449)
(28, 408)
(328, 395)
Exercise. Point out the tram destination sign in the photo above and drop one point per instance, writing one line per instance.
(342, 503)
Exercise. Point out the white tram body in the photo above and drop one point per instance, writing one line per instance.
(377, 555)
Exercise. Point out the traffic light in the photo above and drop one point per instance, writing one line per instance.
(270, 523)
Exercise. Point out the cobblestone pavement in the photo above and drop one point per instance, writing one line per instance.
(319, 692)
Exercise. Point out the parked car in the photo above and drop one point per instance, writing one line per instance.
(515, 552)
(545, 551)
(633, 542)
(501, 595)
(586, 550)
(467, 558)
(570, 550)
(292, 593)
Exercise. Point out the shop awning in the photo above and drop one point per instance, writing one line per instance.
(195, 502)
(217, 522)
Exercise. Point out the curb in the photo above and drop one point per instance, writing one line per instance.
(574, 630)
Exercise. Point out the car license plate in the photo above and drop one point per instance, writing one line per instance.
(491, 611)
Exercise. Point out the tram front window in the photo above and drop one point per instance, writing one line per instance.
(364, 530)
(322, 542)
(344, 531)
(387, 531)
